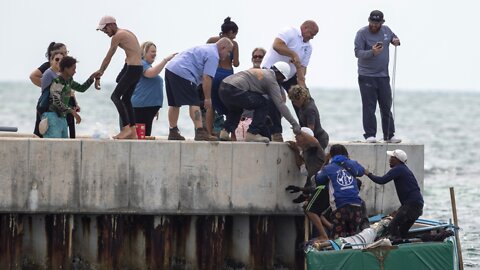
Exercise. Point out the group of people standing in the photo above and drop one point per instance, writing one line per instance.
(202, 77)
(260, 91)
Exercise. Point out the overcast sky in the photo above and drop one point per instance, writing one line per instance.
(439, 48)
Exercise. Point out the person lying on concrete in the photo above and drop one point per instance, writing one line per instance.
(408, 192)
(340, 176)
(254, 89)
(312, 157)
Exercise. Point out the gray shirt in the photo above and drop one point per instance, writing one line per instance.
(262, 81)
(47, 78)
(368, 64)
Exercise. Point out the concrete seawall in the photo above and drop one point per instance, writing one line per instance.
(168, 200)
(162, 177)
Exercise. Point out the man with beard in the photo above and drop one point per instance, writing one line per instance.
(371, 49)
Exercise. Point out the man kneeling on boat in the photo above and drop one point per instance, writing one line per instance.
(408, 193)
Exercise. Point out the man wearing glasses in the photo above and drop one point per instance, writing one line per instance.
(128, 77)
(371, 48)
(257, 56)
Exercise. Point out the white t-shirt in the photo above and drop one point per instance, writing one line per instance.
(294, 40)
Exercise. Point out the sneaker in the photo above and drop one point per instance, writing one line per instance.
(371, 140)
(224, 136)
(277, 137)
(394, 140)
(174, 135)
(256, 138)
(201, 134)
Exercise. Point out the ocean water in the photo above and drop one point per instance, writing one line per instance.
(446, 122)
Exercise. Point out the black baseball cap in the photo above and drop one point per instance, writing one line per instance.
(376, 16)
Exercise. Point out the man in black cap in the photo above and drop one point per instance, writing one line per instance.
(371, 48)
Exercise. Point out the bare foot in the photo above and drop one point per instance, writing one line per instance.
(124, 134)
(133, 133)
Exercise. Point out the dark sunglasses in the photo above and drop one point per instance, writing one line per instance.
(257, 56)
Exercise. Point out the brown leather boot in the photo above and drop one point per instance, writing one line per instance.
(256, 138)
(224, 136)
(174, 135)
(277, 137)
(201, 134)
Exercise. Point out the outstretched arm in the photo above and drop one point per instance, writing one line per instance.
(155, 70)
(389, 176)
(108, 57)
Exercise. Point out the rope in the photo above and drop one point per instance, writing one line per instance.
(394, 74)
(393, 81)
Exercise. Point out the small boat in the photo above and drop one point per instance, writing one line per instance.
(430, 245)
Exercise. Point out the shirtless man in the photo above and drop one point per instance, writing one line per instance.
(128, 77)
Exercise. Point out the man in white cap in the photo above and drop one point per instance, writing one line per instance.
(128, 77)
(408, 193)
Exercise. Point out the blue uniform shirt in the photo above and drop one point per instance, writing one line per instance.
(195, 62)
(406, 184)
(340, 176)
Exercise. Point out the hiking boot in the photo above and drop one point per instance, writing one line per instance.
(201, 134)
(371, 139)
(256, 138)
(394, 140)
(277, 137)
(174, 135)
(224, 136)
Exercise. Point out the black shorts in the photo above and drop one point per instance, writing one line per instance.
(319, 202)
(180, 91)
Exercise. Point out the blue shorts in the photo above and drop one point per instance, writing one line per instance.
(57, 126)
(217, 104)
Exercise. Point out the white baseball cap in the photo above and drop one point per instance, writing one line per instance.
(399, 154)
(104, 21)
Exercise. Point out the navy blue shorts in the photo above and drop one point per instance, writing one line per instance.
(180, 91)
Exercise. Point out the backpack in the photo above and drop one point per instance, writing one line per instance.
(43, 101)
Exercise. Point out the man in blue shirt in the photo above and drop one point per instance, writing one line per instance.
(183, 74)
(408, 193)
(340, 175)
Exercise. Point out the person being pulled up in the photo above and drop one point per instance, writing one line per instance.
(311, 158)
